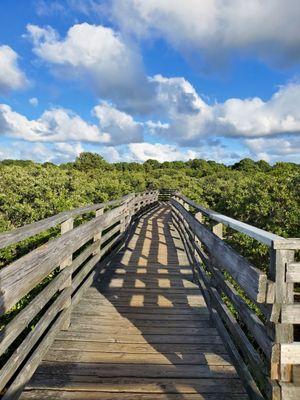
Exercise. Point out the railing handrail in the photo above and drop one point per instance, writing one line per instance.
(227, 279)
(261, 235)
(24, 232)
(69, 262)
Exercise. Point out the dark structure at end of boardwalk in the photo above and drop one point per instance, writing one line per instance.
(147, 300)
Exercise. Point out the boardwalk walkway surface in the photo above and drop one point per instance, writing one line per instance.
(141, 331)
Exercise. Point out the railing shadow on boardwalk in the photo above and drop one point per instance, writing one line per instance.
(260, 338)
(145, 278)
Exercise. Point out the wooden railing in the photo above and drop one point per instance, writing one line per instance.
(254, 310)
(166, 193)
(50, 279)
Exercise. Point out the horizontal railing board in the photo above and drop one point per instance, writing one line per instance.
(293, 272)
(255, 326)
(90, 277)
(94, 260)
(84, 255)
(256, 233)
(290, 353)
(237, 333)
(255, 363)
(85, 270)
(11, 331)
(249, 318)
(266, 309)
(32, 338)
(26, 231)
(20, 277)
(290, 391)
(214, 300)
(252, 280)
(291, 313)
(287, 244)
(15, 389)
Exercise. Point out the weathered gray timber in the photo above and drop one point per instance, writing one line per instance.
(259, 234)
(26, 231)
(147, 300)
(142, 329)
(253, 281)
(50, 309)
(273, 294)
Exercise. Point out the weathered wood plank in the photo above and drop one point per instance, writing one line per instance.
(290, 353)
(80, 395)
(130, 386)
(123, 341)
(22, 320)
(212, 296)
(291, 313)
(251, 279)
(31, 339)
(293, 272)
(249, 318)
(15, 389)
(249, 230)
(286, 244)
(121, 310)
(290, 391)
(85, 271)
(18, 278)
(147, 317)
(138, 370)
(84, 255)
(151, 339)
(220, 310)
(145, 348)
(146, 330)
(26, 231)
(137, 358)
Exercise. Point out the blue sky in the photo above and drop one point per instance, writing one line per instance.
(139, 79)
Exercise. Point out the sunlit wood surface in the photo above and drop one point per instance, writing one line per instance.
(141, 331)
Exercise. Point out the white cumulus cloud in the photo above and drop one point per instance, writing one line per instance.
(114, 127)
(158, 151)
(275, 149)
(41, 152)
(99, 57)
(189, 118)
(53, 125)
(120, 126)
(269, 29)
(11, 76)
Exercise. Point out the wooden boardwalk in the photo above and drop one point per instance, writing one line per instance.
(141, 331)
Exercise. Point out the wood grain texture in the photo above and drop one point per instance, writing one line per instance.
(261, 235)
(142, 330)
(21, 276)
(252, 280)
(26, 231)
(220, 311)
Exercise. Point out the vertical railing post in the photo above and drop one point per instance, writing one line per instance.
(284, 294)
(218, 229)
(199, 218)
(130, 210)
(185, 205)
(66, 226)
(98, 235)
(125, 220)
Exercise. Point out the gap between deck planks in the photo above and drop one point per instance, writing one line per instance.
(141, 331)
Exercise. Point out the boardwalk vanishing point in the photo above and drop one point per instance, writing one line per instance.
(139, 308)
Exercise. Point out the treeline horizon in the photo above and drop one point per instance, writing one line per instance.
(90, 157)
(255, 192)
